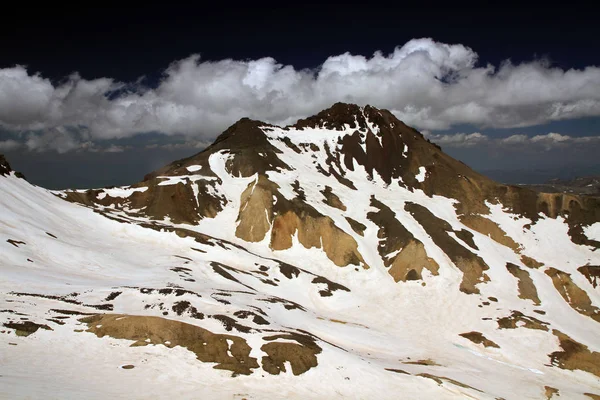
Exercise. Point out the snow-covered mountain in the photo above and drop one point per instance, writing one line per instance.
(343, 256)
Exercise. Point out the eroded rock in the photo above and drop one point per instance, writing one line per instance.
(208, 346)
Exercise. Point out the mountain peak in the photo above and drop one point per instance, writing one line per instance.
(6, 169)
(4, 166)
(339, 115)
(246, 131)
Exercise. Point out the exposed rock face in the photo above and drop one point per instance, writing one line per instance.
(302, 355)
(517, 319)
(477, 337)
(573, 294)
(402, 253)
(245, 140)
(591, 272)
(332, 200)
(207, 346)
(575, 355)
(256, 210)
(290, 218)
(527, 289)
(469, 263)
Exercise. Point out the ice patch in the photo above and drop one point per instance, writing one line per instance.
(194, 168)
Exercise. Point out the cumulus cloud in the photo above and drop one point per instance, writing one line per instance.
(552, 140)
(514, 139)
(61, 140)
(548, 141)
(427, 84)
(7, 145)
(459, 139)
(188, 144)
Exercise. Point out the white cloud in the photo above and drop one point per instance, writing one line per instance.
(427, 84)
(58, 139)
(548, 141)
(552, 140)
(63, 140)
(114, 149)
(7, 145)
(458, 139)
(515, 139)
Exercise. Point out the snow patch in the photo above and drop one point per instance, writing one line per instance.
(592, 231)
(122, 192)
(420, 177)
(194, 168)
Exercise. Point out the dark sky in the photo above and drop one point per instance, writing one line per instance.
(125, 43)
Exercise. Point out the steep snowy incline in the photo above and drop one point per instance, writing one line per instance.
(70, 275)
(343, 256)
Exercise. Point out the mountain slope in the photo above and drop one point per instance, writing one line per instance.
(345, 246)
(588, 185)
